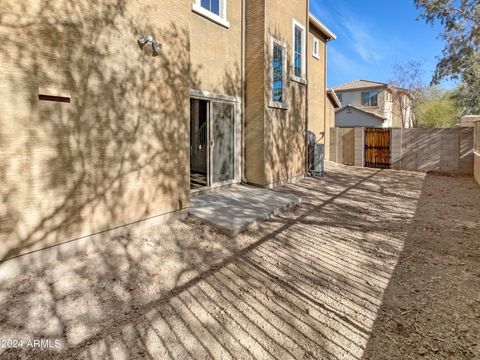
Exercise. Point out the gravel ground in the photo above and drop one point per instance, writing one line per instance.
(374, 264)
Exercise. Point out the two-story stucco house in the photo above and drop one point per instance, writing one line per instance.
(115, 112)
(373, 104)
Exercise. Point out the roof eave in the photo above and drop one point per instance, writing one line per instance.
(361, 110)
(325, 30)
(336, 101)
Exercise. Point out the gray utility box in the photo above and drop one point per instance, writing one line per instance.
(316, 159)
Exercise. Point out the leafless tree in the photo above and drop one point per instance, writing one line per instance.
(408, 88)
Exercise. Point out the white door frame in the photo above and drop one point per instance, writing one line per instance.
(236, 102)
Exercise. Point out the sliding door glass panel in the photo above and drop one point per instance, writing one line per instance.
(223, 141)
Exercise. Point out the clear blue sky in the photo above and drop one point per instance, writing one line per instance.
(373, 35)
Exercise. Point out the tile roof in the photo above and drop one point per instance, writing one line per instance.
(361, 110)
(359, 84)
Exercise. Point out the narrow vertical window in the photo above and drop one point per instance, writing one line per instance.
(277, 83)
(278, 55)
(298, 50)
(315, 49)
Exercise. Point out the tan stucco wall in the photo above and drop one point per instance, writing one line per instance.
(255, 93)
(116, 154)
(216, 52)
(330, 124)
(274, 138)
(285, 130)
(317, 100)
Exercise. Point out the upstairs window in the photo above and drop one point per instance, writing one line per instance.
(340, 97)
(278, 98)
(316, 48)
(215, 10)
(298, 50)
(370, 98)
(211, 5)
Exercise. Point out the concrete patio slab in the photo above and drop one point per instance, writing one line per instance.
(240, 207)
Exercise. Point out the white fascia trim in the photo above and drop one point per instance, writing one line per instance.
(197, 8)
(294, 24)
(200, 94)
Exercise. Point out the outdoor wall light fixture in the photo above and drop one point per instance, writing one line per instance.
(149, 41)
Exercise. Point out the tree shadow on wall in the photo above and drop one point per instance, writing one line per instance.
(285, 129)
(118, 152)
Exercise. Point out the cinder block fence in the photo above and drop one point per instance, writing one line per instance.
(439, 150)
(347, 146)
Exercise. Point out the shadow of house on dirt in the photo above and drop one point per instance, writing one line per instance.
(432, 304)
(118, 152)
(306, 284)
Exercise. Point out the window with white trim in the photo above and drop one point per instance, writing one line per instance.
(370, 98)
(298, 50)
(211, 5)
(278, 86)
(316, 48)
(215, 10)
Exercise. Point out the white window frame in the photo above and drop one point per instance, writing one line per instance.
(316, 45)
(278, 104)
(221, 20)
(301, 79)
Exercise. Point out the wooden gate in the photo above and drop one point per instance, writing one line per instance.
(377, 148)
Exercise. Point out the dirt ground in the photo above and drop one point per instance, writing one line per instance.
(374, 264)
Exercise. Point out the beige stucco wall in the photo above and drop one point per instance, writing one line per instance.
(216, 52)
(118, 152)
(255, 93)
(317, 101)
(274, 138)
(330, 124)
(285, 130)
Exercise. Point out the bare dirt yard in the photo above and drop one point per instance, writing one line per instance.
(374, 264)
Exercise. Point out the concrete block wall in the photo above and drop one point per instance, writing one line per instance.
(347, 141)
(344, 145)
(359, 146)
(333, 144)
(439, 150)
(396, 149)
(469, 120)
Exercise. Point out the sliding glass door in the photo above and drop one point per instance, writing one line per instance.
(213, 143)
(222, 143)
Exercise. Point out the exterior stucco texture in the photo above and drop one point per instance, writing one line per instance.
(281, 131)
(117, 153)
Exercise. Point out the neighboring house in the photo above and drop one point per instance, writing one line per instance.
(100, 128)
(374, 104)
